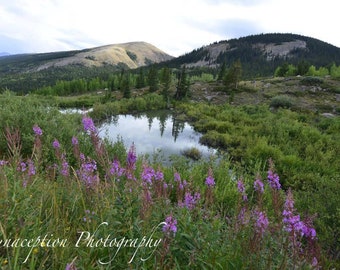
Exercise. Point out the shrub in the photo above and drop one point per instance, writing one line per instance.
(281, 101)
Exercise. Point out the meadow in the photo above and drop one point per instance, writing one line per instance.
(70, 200)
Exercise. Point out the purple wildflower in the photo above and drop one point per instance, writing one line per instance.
(261, 223)
(191, 201)
(56, 144)
(315, 262)
(210, 181)
(70, 266)
(177, 177)
(88, 174)
(182, 184)
(64, 166)
(170, 225)
(242, 216)
(74, 141)
(131, 157)
(293, 223)
(22, 167)
(273, 180)
(258, 185)
(3, 163)
(147, 174)
(37, 130)
(116, 170)
(31, 168)
(241, 189)
(159, 176)
(88, 124)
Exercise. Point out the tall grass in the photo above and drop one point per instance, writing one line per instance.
(90, 205)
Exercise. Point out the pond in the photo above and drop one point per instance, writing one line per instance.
(154, 132)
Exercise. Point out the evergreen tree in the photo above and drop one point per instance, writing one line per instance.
(166, 82)
(140, 82)
(153, 79)
(222, 72)
(125, 86)
(234, 74)
(182, 85)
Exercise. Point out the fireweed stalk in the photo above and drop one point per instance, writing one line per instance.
(210, 183)
(169, 229)
(99, 146)
(37, 147)
(299, 229)
(275, 186)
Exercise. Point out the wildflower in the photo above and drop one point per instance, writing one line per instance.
(70, 266)
(241, 189)
(37, 130)
(273, 180)
(240, 186)
(177, 177)
(31, 168)
(159, 176)
(147, 174)
(64, 166)
(74, 141)
(131, 157)
(315, 262)
(261, 223)
(115, 169)
(87, 172)
(258, 185)
(242, 216)
(56, 144)
(3, 162)
(209, 181)
(293, 223)
(191, 201)
(88, 124)
(170, 225)
(22, 167)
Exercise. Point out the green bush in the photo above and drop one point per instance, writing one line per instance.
(282, 102)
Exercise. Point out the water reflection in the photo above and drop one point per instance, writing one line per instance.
(154, 131)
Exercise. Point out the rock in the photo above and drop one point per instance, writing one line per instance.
(328, 115)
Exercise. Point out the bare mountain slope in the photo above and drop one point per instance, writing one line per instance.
(132, 54)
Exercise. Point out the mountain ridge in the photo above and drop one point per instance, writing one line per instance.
(260, 55)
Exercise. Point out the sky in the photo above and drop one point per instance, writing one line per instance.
(174, 26)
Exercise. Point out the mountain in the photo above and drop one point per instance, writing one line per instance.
(4, 54)
(261, 54)
(26, 72)
(127, 55)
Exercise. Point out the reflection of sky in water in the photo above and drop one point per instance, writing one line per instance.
(148, 139)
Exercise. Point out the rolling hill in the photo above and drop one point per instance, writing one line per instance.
(129, 55)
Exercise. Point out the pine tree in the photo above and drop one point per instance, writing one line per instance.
(182, 85)
(166, 82)
(140, 82)
(125, 86)
(153, 79)
(234, 74)
(222, 72)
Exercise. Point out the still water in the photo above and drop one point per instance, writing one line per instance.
(153, 132)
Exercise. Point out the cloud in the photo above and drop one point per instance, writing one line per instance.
(174, 26)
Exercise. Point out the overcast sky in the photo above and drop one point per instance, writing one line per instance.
(174, 26)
